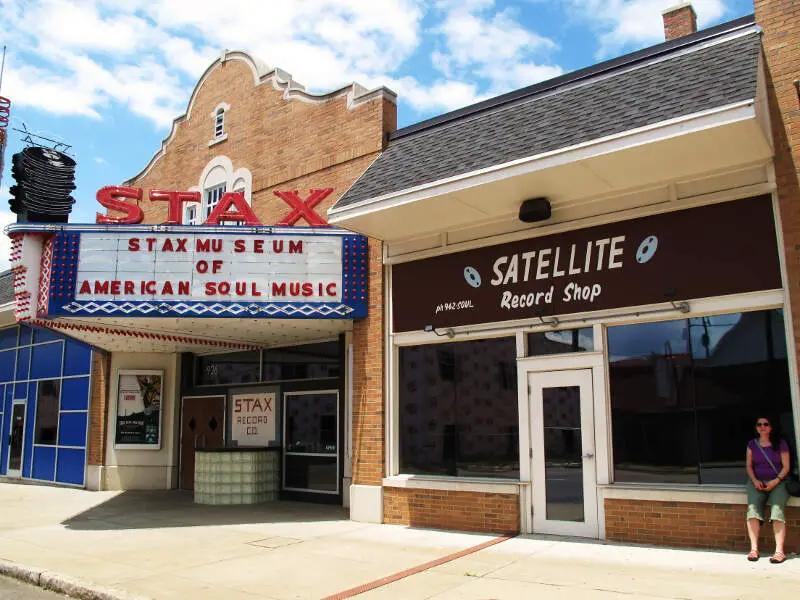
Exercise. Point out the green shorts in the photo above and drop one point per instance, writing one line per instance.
(757, 502)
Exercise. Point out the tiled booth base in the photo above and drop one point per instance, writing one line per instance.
(691, 524)
(236, 475)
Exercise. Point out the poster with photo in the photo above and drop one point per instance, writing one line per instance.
(139, 402)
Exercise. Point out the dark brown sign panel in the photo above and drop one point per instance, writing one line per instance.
(715, 250)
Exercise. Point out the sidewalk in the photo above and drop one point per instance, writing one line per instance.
(160, 545)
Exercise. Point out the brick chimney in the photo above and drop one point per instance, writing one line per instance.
(679, 21)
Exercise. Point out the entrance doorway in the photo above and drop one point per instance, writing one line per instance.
(202, 426)
(16, 439)
(562, 458)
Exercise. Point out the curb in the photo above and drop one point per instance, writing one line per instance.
(63, 584)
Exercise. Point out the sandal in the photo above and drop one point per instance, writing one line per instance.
(777, 558)
(753, 556)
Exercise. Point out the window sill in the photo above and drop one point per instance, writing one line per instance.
(218, 140)
(716, 494)
(454, 484)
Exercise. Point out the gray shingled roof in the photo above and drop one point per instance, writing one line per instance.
(6, 287)
(677, 85)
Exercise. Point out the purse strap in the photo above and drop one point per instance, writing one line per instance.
(760, 447)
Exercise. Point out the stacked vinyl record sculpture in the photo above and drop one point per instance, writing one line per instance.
(45, 178)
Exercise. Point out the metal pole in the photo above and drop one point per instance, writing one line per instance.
(2, 67)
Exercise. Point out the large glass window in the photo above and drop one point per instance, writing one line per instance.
(685, 395)
(224, 369)
(564, 341)
(47, 400)
(307, 361)
(458, 409)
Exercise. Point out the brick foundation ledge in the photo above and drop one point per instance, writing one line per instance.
(691, 525)
(445, 509)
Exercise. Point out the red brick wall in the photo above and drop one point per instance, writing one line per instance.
(679, 23)
(691, 525)
(368, 381)
(98, 407)
(463, 511)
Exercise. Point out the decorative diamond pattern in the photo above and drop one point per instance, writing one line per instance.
(217, 309)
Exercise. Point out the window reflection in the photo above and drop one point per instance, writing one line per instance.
(458, 409)
(543, 343)
(685, 393)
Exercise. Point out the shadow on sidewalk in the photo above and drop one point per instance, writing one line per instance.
(156, 509)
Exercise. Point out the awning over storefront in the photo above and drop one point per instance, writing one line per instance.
(638, 130)
(201, 289)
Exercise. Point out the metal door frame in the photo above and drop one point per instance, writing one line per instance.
(538, 381)
(17, 474)
(284, 453)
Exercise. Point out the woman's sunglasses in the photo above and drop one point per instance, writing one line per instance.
(762, 424)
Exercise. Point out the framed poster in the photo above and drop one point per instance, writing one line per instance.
(139, 403)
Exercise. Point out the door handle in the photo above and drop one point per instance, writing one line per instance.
(588, 455)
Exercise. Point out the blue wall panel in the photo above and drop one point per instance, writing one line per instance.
(25, 335)
(8, 337)
(23, 362)
(5, 423)
(72, 429)
(44, 463)
(78, 360)
(7, 361)
(46, 362)
(75, 394)
(21, 369)
(44, 335)
(71, 466)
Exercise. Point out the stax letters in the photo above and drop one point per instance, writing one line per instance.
(231, 207)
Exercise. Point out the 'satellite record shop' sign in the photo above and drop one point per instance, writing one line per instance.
(207, 272)
(702, 252)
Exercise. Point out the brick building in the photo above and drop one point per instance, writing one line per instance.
(591, 293)
(589, 288)
(294, 348)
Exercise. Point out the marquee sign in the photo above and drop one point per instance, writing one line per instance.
(725, 248)
(204, 272)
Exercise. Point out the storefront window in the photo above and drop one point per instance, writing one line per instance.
(543, 343)
(47, 412)
(686, 393)
(458, 409)
(224, 369)
(307, 361)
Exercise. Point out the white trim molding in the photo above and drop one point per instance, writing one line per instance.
(454, 484)
(670, 128)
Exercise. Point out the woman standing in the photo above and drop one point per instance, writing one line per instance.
(767, 467)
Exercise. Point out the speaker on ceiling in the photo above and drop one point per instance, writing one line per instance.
(535, 210)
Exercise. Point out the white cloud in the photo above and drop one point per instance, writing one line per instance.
(492, 46)
(78, 57)
(637, 22)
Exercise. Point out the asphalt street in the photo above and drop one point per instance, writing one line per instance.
(11, 589)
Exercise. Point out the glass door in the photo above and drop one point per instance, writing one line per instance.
(562, 458)
(15, 440)
(311, 442)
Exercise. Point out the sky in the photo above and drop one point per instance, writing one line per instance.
(107, 77)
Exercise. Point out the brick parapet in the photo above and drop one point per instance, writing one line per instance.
(690, 525)
(462, 511)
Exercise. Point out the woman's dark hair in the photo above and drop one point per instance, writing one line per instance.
(774, 430)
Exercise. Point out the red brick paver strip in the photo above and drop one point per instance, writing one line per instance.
(360, 589)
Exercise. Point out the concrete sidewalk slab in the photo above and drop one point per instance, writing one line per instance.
(161, 545)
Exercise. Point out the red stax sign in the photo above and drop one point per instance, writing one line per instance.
(231, 207)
